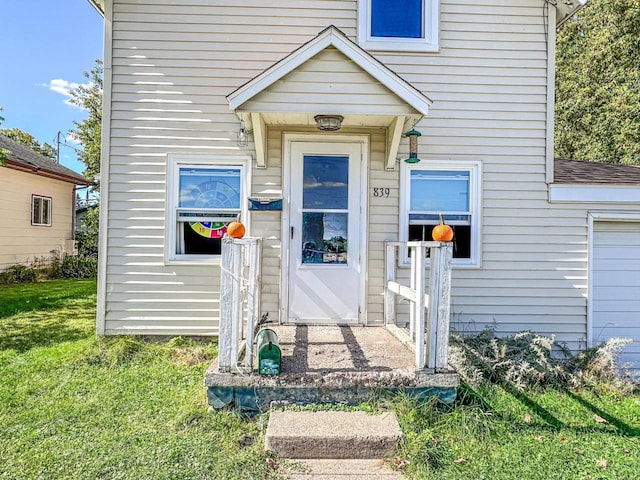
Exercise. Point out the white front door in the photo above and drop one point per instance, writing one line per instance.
(324, 281)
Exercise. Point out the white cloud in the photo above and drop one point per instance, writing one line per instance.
(63, 87)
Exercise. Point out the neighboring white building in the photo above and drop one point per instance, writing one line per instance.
(186, 82)
(37, 206)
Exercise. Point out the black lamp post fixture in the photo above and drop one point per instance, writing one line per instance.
(413, 135)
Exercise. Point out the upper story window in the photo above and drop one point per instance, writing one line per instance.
(450, 189)
(203, 196)
(40, 210)
(408, 25)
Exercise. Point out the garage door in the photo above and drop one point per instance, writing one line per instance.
(615, 283)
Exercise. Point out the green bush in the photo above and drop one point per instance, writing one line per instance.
(18, 274)
(71, 266)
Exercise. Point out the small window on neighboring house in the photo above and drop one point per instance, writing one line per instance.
(451, 189)
(203, 197)
(40, 210)
(409, 25)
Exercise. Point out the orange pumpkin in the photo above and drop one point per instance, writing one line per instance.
(442, 232)
(235, 230)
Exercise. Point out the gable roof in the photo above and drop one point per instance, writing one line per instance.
(331, 37)
(25, 159)
(583, 172)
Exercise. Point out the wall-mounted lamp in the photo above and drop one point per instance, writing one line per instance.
(328, 123)
(413, 135)
(243, 135)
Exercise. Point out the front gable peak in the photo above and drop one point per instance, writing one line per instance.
(331, 37)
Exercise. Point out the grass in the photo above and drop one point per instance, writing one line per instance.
(500, 433)
(74, 407)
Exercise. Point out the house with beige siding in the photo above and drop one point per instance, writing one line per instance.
(37, 206)
(292, 116)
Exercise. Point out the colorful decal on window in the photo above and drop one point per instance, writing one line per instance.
(212, 194)
(209, 229)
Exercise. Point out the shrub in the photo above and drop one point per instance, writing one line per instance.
(528, 360)
(18, 274)
(78, 267)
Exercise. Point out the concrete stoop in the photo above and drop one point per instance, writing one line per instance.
(334, 445)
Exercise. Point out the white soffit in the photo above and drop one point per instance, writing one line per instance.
(331, 36)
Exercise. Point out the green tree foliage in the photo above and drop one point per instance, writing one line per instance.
(88, 132)
(28, 140)
(598, 83)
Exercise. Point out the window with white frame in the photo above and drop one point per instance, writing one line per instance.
(40, 210)
(451, 189)
(203, 196)
(406, 25)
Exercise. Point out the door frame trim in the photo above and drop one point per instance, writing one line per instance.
(287, 140)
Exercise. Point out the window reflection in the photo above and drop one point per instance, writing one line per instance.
(324, 237)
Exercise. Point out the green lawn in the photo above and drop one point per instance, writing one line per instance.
(73, 407)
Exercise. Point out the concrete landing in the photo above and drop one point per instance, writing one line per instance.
(330, 364)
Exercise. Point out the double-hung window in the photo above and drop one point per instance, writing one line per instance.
(40, 210)
(451, 189)
(407, 25)
(203, 196)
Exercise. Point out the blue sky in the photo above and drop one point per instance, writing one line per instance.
(45, 46)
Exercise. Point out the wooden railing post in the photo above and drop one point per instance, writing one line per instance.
(418, 255)
(390, 275)
(225, 360)
(439, 306)
(253, 296)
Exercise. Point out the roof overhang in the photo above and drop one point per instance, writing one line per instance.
(43, 172)
(566, 9)
(395, 124)
(98, 5)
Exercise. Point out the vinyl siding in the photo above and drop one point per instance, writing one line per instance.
(21, 242)
(174, 64)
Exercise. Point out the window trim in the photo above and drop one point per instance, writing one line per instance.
(474, 167)
(174, 163)
(428, 43)
(33, 207)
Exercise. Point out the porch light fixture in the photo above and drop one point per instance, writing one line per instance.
(413, 135)
(243, 135)
(328, 123)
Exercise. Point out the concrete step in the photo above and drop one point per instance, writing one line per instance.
(332, 435)
(332, 469)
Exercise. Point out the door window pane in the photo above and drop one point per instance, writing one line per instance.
(324, 237)
(397, 18)
(326, 182)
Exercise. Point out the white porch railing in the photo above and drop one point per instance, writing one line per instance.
(239, 303)
(428, 313)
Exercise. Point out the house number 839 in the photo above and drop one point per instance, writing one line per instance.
(381, 192)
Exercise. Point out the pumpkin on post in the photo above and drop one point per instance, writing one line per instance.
(236, 230)
(442, 232)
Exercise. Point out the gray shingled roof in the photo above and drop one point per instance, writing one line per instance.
(578, 171)
(25, 157)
